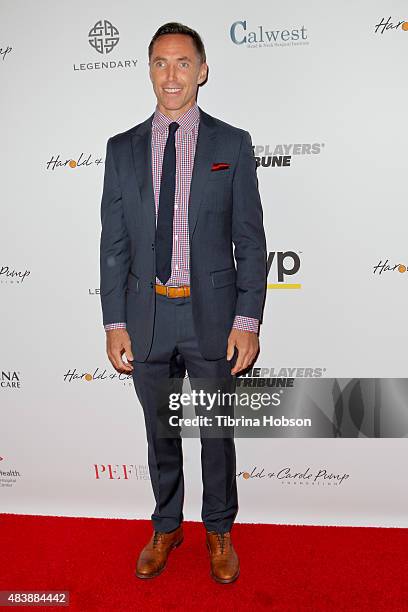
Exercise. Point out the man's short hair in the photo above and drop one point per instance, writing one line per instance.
(173, 27)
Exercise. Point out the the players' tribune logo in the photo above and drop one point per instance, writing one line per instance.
(104, 36)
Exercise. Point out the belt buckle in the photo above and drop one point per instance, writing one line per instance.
(167, 290)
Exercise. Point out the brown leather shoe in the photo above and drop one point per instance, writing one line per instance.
(224, 559)
(153, 558)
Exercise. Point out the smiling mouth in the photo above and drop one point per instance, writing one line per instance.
(172, 90)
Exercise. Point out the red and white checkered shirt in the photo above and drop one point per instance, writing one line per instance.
(185, 142)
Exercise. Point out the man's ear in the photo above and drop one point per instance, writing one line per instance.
(203, 73)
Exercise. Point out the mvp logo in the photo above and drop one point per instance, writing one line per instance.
(287, 265)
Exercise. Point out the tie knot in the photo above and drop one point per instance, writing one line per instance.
(173, 128)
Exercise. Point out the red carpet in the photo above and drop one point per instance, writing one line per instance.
(282, 567)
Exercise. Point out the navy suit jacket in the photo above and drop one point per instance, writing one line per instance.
(226, 235)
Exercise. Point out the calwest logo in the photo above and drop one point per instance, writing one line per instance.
(240, 35)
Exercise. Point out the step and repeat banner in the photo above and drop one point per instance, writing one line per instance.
(321, 88)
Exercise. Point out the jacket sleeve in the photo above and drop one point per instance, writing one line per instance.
(248, 234)
(114, 246)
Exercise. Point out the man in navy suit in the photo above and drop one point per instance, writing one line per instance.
(183, 278)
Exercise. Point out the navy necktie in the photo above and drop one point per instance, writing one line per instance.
(164, 228)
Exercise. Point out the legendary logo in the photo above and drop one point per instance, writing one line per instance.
(104, 36)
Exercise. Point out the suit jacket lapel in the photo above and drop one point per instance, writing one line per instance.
(142, 160)
(204, 156)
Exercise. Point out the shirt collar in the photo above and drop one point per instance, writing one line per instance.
(187, 120)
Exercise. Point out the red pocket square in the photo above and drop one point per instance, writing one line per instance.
(219, 166)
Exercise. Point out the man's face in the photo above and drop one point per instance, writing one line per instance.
(175, 72)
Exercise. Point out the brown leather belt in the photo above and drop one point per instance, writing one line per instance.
(173, 292)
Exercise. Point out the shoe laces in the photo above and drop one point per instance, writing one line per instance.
(156, 537)
(222, 540)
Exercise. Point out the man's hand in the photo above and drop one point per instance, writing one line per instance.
(117, 343)
(247, 344)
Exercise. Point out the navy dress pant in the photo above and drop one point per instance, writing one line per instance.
(174, 351)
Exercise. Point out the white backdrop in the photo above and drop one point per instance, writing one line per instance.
(330, 96)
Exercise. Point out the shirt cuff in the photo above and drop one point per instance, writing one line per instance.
(115, 326)
(246, 324)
